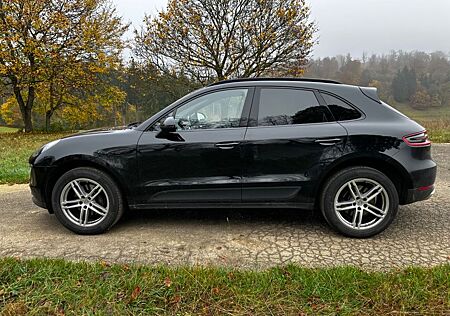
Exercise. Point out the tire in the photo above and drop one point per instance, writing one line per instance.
(83, 209)
(362, 210)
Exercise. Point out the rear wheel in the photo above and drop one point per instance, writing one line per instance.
(359, 202)
(87, 201)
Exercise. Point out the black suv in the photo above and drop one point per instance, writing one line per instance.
(245, 143)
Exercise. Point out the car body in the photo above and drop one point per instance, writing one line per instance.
(242, 143)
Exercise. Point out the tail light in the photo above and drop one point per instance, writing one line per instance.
(417, 139)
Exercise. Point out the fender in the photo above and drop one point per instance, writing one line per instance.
(376, 160)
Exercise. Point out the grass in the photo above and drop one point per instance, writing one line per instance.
(15, 149)
(5, 129)
(57, 287)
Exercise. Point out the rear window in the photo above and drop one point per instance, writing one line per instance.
(279, 106)
(341, 110)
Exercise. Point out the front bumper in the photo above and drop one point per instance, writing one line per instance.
(38, 178)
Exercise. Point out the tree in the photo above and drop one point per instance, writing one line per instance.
(42, 41)
(421, 99)
(219, 39)
(404, 85)
(350, 71)
(149, 90)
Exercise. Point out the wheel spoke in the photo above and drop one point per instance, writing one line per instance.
(77, 189)
(71, 204)
(97, 208)
(95, 191)
(84, 214)
(355, 217)
(372, 209)
(356, 189)
(360, 219)
(375, 191)
(343, 206)
(351, 190)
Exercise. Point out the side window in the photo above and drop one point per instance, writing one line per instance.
(279, 106)
(341, 110)
(221, 109)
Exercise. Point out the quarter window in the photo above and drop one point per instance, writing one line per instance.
(340, 109)
(290, 106)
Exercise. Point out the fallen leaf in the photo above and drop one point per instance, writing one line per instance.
(135, 294)
(167, 282)
(105, 264)
(175, 300)
(215, 290)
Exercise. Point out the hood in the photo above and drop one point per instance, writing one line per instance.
(99, 131)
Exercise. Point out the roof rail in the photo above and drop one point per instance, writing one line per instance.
(275, 79)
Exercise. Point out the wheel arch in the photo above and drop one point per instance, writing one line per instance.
(70, 162)
(383, 163)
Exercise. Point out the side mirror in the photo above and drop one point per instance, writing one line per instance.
(169, 125)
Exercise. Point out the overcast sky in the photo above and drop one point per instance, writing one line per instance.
(354, 26)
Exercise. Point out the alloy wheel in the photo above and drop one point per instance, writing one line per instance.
(84, 202)
(361, 203)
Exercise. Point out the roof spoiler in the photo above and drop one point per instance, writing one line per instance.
(371, 93)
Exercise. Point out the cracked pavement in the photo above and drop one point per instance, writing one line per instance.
(420, 235)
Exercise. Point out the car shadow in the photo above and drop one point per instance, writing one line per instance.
(273, 216)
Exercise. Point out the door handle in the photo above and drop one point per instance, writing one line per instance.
(226, 145)
(328, 141)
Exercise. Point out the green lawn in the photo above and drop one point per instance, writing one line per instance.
(5, 129)
(57, 287)
(15, 149)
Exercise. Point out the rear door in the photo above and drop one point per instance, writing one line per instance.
(291, 137)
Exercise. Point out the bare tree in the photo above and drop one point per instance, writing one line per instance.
(220, 39)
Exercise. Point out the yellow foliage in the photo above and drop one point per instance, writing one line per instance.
(9, 111)
(63, 44)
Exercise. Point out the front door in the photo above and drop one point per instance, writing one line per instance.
(201, 161)
(292, 138)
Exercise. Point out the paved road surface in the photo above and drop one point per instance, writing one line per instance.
(252, 239)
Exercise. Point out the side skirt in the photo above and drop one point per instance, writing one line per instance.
(304, 206)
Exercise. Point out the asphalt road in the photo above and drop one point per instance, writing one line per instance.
(420, 235)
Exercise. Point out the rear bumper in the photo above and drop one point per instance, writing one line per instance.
(422, 183)
(419, 194)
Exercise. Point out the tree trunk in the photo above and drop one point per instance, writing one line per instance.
(27, 120)
(48, 116)
(25, 108)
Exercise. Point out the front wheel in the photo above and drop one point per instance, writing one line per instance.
(359, 202)
(87, 201)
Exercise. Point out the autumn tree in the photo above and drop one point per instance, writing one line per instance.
(219, 39)
(44, 43)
